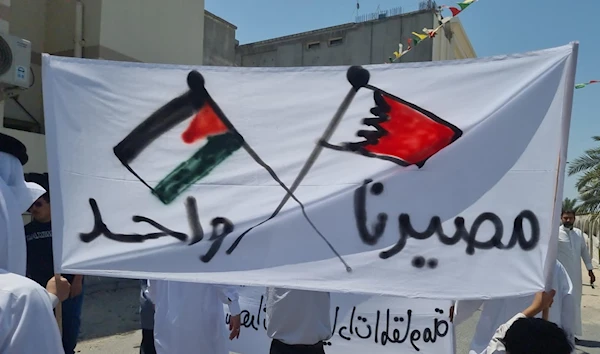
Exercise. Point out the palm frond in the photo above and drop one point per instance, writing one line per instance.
(588, 184)
(590, 177)
(585, 162)
(570, 204)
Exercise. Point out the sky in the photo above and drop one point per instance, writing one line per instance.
(494, 27)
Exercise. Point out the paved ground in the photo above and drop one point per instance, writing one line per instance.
(110, 323)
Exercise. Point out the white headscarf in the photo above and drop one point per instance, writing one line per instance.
(16, 196)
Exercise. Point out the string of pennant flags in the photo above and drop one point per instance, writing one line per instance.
(584, 84)
(430, 33)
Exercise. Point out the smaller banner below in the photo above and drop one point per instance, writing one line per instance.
(360, 324)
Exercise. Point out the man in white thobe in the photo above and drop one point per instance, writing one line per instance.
(27, 323)
(298, 321)
(571, 250)
(498, 311)
(189, 317)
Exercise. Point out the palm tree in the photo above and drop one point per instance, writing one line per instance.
(588, 183)
(570, 204)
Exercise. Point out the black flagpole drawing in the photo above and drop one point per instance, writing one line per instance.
(358, 77)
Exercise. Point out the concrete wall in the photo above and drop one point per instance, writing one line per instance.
(442, 44)
(452, 43)
(92, 20)
(591, 229)
(357, 44)
(60, 26)
(219, 41)
(156, 31)
(50, 26)
(363, 43)
(137, 27)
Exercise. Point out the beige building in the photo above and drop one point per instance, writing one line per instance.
(131, 30)
(371, 41)
(144, 31)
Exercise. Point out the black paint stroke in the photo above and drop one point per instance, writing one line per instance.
(358, 78)
(362, 336)
(217, 237)
(372, 137)
(385, 335)
(432, 263)
(249, 320)
(470, 237)
(221, 227)
(406, 230)
(381, 331)
(100, 229)
(360, 214)
(194, 220)
(164, 119)
(518, 235)
(420, 262)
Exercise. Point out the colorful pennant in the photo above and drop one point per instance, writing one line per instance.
(398, 53)
(584, 84)
(431, 33)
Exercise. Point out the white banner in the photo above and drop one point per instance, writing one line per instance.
(360, 324)
(179, 172)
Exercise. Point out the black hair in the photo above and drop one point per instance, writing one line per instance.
(567, 211)
(536, 336)
(42, 180)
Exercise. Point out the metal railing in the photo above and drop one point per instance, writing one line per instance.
(379, 15)
(427, 5)
(591, 228)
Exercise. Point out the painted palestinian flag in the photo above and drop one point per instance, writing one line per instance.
(208, 124)
(405, 133)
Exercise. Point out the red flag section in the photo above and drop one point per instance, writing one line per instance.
(455, 11)
(413, 134)
(205, 123)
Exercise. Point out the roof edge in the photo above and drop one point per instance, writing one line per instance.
(329, 29)
(219, 19)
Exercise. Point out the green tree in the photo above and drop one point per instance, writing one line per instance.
(570, 204)
(588, 184)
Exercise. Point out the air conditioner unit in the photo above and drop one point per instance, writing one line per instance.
(15, 59)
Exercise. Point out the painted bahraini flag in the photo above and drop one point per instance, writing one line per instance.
(404, 133)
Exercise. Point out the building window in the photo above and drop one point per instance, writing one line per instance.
(336, 41)
(313, 45)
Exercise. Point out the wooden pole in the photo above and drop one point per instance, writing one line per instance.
(545, 313)
(58, 308)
